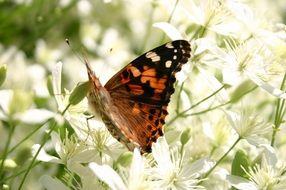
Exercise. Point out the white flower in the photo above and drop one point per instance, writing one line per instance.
(44, 156)
(247, 126)
(270, 174)
(249, 60)
(214, 84)
(218, 181)
(35, 116)
(251, 24)
(136, 179)
(63, 99)
(5, 101)
(105, 146)
(84, 8)
(45, 54)
(172, 171)
(169, 29)
(93, 132)
(236, 60)
(30, 116)
(27, 76)
(87, 179)
(210, 14)
(86, 175)
(72, 154)
(89, 33)
(69, 150)
(218, 133)
(74, 114)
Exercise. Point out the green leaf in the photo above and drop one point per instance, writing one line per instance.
(79, 93)
(243, 88)
(185, 136)
(3, 71)
(125, 159)
(241, 160)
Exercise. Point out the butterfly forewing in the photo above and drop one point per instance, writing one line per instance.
(141, 91)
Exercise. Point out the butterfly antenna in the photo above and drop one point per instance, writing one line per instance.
(75, 52)
(82, 58)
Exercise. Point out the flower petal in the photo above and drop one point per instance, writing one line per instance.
(270, 155)
(57, 79)
(137, 166)
(214, 84)
(51, 183)
(6, 97)
(56, 140)
(267, 87)
(108, 175)
(161, 153)
(43, 156)
(241, 183)
(169, 29)
(86, 174)
(35, 116)
(202, 165)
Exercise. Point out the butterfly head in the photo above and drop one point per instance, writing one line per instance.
(98, 97)
(91, 76)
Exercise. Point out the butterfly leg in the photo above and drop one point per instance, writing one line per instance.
(87, 124)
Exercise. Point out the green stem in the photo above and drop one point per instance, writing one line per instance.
(207, 110)
(28, 136)
(179, 98)
(193, 106)
(218, 106)
(201, 32)
(280, 111)
(170, 17)
(35, 156)
(19, 173)
(4, 156)
(173, 11)
(40, 148)
(66, 109)
(221, 159)
(197, 33)
(182, 114)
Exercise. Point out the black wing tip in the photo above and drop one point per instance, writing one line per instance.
(185, 47)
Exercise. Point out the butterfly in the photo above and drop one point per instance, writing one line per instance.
(133, 103)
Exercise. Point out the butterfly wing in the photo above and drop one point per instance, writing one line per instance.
(141, 91)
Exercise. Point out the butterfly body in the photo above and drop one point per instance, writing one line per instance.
(101, 103)
(133, 103)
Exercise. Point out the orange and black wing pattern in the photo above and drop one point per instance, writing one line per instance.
(141, 91)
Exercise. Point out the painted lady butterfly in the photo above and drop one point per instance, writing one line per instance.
(133, 103)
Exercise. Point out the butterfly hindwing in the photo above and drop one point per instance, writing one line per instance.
(141, 91)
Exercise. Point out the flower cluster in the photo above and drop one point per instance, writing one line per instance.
(225, 127)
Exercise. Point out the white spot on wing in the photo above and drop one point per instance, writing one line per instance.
(168, 64)
(169, 45)
(156, 58)
(174, 57)
(153, 56)
(150, 54)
